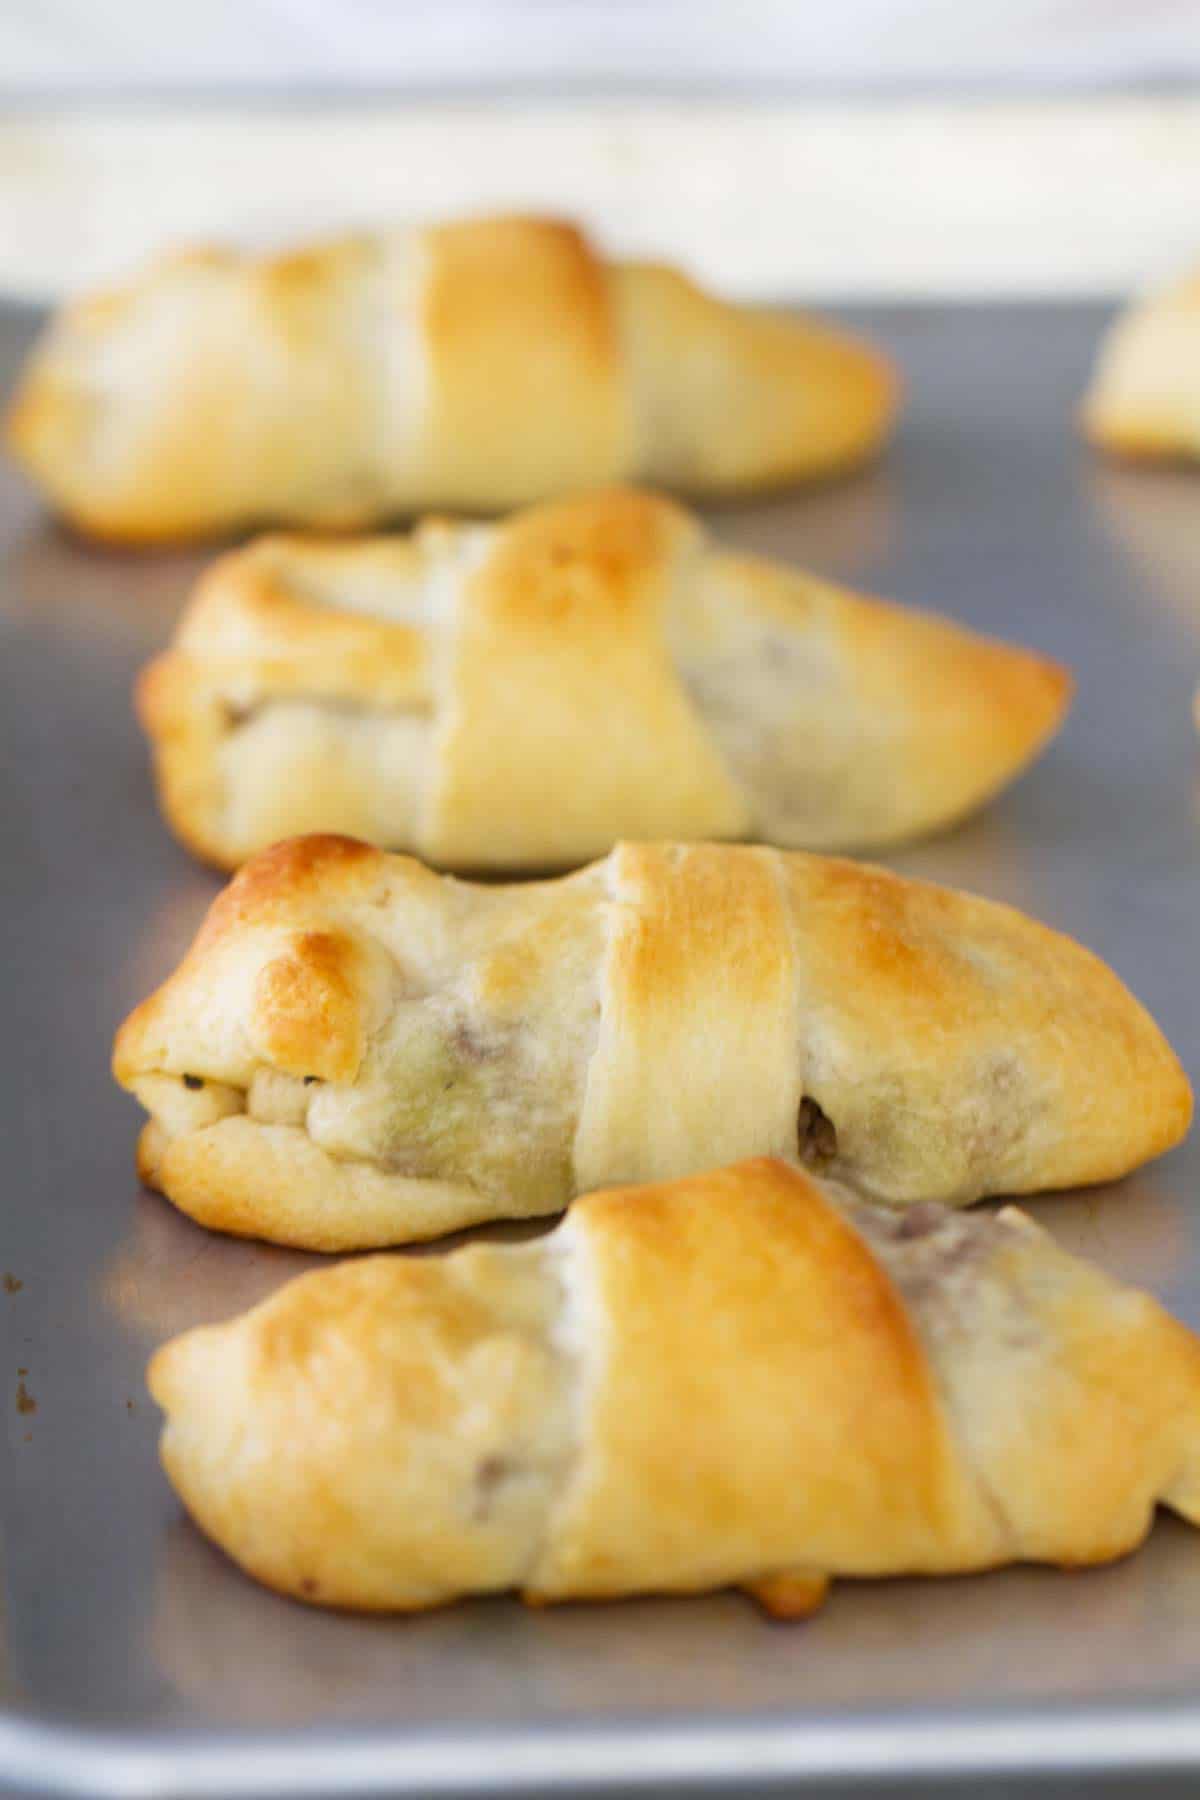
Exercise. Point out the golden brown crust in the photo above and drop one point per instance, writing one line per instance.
(520, 338)
(264, 613)
(957, 715)
(1045, 1032)
(731, 398)
(478, 364)
(1144, 397)
(558, 673)
(728, 1304)
(692, 1068)
(409, 1356)
(307, 1004)
(591, 669)
(171, 409)
(741, 1378)
(491, 1051)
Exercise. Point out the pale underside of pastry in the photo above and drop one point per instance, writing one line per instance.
(1144, 397)
(475, 365)
(524, 695)
(745, 1377)
(358, 1052)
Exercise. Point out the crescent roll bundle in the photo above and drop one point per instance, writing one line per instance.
(1144, 398)
(744, 1377)
(358, 1052)
(524, 695)
(475, 365)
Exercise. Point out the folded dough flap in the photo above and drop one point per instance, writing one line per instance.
(697, 1060)
(296, 616)
(297, 694)
(785, 1382)
(742, 1377)
(524, 392)
(555, 659)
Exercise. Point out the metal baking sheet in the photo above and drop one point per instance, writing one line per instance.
(133, 1658)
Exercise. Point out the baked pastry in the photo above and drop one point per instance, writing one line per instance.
(523, 695)
(739, 1378)
(1144, 397)
(358, 1052)
(475, 365)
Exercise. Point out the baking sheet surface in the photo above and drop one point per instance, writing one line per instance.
(120, 1621)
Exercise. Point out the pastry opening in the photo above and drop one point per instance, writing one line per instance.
(490, 1475)
(816, 1135)
(237, 714)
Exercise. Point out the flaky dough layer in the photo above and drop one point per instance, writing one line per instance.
(744, 1377)
(358, 1052)
(476, 365)
(522, 696)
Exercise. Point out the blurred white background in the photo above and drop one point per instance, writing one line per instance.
(868, 147)
(98, 45)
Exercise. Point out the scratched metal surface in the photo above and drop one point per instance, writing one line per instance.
(133, 1658)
